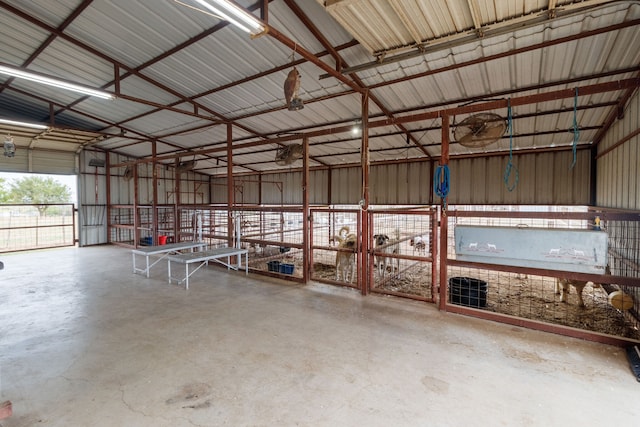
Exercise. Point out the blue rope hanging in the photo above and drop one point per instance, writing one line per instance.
(510, 166)
(441, 182)
(576, 130)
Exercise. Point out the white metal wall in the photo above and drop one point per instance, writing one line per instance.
(274, 189)
(92, 200)
(92, 195)
(40, 161)
(618, 179)
(545, 178)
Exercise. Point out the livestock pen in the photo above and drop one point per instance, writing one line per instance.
(410, 252)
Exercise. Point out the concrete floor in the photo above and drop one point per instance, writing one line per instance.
(84, 342)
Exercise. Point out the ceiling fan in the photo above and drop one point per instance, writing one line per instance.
(128, 173)
(480, 130)
(186, 166)
(289, 154)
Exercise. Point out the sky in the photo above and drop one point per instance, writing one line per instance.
(68, 180)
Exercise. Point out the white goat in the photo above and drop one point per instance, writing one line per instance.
(345, 261)
(382, 245)
(419, 243)
(563, 286)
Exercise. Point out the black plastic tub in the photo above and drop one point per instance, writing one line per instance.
(468, 291)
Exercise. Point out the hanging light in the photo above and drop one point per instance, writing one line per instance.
(22, 124)
(9, 146)
(236, 15)
(39, 78)
(356, 130)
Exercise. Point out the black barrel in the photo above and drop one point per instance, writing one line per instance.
(468, 291)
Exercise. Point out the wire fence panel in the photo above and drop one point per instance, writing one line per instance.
(274, 237)
(606, 302)
(25, 227)
(403, 252)
(335, 246)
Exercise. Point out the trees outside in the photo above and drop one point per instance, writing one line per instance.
(37, 191)
(4, 191)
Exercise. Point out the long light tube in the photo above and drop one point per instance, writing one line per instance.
(234, 14)
(16, 72)
(22, 124)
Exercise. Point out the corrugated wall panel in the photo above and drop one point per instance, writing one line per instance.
(54, 162)
(495, 189)
(421, 183)
(89, 192)
(319, 187)
(542, 179)
(92, 201)
(461, 178)
(18, 163)
(346, 186)
(247, 190)
(291, 185)
(618, 180)
(526, 187)
(145, 185)
(543, 185)
(408, 183)
(288, 189)
(121, 191)
(219, 191)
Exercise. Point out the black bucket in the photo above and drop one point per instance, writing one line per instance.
(468, 291)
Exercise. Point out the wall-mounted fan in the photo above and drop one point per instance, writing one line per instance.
(128, 173)
(480, 130)
(289, 154)
(186, 166)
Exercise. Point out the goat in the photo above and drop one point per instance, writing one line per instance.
(563, 286)
(345, 260)
(391, 248)
(419, 243)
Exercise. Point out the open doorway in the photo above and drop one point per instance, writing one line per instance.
(37, 211)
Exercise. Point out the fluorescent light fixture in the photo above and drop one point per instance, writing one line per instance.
(39, 78)
(22, 124)
(236, 15)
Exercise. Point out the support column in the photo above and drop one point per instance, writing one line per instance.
(364, 238)
(107, 178)
(136, 211)
(154, 202)
(176, 191)
(230, 184)
(444, 161)
(306, 265)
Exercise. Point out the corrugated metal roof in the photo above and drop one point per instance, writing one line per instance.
(182, 74)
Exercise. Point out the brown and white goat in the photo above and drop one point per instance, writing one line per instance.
(345, 257)
(419, 243)
(385, 245)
